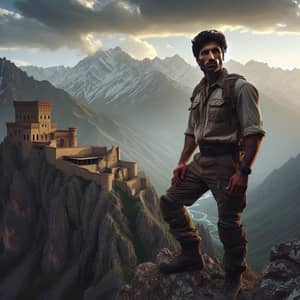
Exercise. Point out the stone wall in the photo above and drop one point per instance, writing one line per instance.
(102, 179)
(60, 152)
(130, 166)
(120, 173)
(129, 169)
(32, 132)
(101, 151)
(91, 168)
(112, 157)
(132, 186)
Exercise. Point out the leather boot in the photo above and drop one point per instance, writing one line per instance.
(232, 285)
(190, 259)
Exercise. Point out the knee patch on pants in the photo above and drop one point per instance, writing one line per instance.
(179, 220)
(232, 234)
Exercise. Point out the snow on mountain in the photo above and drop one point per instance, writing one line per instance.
(176, 69)
(113, 75)
(55, 74)
(110, 75)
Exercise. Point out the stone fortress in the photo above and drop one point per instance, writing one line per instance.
(33, 129)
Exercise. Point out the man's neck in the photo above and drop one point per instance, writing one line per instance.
(212, 77)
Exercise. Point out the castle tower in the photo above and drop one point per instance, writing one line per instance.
(32, 122)
(73, 137)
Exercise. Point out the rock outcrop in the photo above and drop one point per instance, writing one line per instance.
(279, 281)
(62, 237)
(149, 283)
(281, 277)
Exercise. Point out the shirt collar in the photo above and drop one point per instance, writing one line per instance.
(221, 78)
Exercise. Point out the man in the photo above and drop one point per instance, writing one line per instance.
(225, 122)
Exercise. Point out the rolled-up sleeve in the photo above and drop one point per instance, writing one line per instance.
(190, 125)
(249, 113)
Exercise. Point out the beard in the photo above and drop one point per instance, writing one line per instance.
(212, 66)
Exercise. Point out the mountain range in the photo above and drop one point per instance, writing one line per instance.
(94, 128)
(147, 119)
(275, 207)
(153, 96)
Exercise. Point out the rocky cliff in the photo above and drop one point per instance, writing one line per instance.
(149, 283)
(280, 279)
(62, 237)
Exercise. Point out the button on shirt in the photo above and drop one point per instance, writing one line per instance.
(212, 121)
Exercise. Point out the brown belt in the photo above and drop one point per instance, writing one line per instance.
(218, 149)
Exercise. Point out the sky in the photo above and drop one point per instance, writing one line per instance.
(62, 32)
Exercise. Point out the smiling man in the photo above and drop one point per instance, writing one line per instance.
(225, 123)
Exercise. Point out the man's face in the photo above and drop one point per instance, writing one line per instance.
(210, 58)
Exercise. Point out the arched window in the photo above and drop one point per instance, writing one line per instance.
(33, 137)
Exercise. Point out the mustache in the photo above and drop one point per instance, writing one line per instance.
(212, 61)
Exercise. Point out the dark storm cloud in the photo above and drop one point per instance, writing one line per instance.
(52, 24)
(18, 31)
(71, 16)
(64, 22)
(178, 15)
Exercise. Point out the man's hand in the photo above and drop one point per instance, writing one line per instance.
(237, 185)
(178, 174)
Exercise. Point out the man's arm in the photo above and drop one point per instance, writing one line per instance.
(252, 145)
(188, 149)
(238, 183)
(251, 124)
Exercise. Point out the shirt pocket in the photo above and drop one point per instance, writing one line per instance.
(217, 110)
(195, 102)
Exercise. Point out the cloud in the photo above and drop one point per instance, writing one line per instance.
(76, 23)
(137, 48)
(90, 43)
(20, 63)
(87, 3)
(19, 31)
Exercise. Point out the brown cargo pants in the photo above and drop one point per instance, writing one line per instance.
(209, 173)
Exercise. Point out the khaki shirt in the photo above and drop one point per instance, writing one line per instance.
(211, 121)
